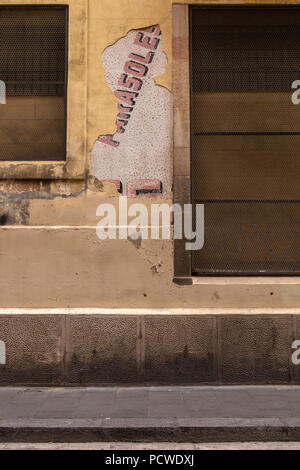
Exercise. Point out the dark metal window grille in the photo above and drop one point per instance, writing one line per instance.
(33, 58)
(246, 139)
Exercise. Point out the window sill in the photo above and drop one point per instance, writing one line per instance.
(233, 281)
(41, 170)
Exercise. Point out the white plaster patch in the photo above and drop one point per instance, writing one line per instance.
(2, 353)
(139, 153)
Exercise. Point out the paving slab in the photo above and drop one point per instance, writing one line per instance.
(148, 414)
(154, 446)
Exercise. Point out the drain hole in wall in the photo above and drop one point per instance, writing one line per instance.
(4, 219)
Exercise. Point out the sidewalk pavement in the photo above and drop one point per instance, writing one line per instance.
(149, 414)
(154, 446)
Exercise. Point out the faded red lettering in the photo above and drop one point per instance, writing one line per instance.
(130, 82)
(121, 123)
(145, 187)
(153, 29)
(108, 139)
(145, 60)
(136, 69)
(146, 41)
(126, 96)
(127, 109)
(123, 116)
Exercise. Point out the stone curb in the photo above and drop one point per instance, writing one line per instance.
(150, 430)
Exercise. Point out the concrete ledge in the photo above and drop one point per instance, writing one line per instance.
(149, 311)
(150, 430)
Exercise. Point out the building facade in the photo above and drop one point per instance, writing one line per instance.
(115, 120)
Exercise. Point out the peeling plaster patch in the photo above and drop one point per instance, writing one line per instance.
(95, 183)
(215, 296)
(137, 242)
(16, 197)
(138, 155)
(15, 211)
(154, 270)
(65, 188)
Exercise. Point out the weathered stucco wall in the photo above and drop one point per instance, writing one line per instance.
(50, 255)
(215, 331)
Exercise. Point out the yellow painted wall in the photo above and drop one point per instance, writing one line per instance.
(49, 253)
(109, 21)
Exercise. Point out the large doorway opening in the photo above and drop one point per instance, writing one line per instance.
(245, 134)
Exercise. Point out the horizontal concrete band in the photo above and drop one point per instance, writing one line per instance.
(76, 227)
(148, 430)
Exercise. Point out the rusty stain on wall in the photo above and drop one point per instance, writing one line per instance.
(137, 158)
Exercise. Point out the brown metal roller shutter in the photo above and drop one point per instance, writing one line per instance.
(246, 139)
